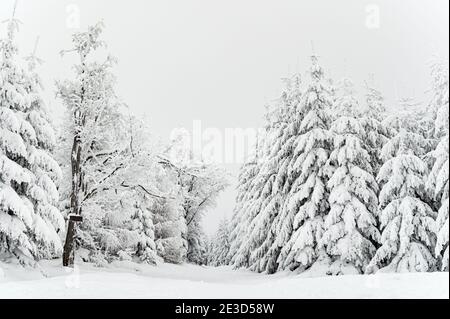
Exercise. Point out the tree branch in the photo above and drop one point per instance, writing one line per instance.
(145, 191)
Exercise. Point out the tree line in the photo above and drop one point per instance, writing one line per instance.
(341, 186)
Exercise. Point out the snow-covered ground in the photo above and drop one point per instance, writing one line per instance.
(128, 280)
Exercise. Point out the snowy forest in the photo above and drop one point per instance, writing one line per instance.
(344, 186)
(340, 183)
(138, 200)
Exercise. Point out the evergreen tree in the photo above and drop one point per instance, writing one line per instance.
(265, 194)
(142, 221)
(240, 246)
(438, 106)
(351, 233)
(282, 130)
(209, 255)
(44, 167)
(377, 131)
(170, 228)
(239, 223)
(307, 202)
(29, 220)
(438, 180)
(409, 116)
(407, 222)
(221, 244)
(196, 243)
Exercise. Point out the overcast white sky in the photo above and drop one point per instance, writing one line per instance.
(221, 61)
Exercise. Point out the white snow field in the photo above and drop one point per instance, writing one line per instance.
(129, 280)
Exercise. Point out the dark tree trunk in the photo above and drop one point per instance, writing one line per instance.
(69, 251)
(78, 187)
(75, 202)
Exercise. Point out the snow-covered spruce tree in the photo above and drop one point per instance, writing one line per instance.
(438, 179)
(375, 104)
(264, 192)
(281, 132)
(209, 250)
(29, 221)
(45, 168)
(221, 244)
(197, 247)
(373, 115)
(345, 102)
(142, 224)
(407, 221)
(170, 229)
(258, 191)
(238, 224)
(409, 115)
(438, 106)
(307, 203)
(249, 191)
(351, 235)
(419, 120)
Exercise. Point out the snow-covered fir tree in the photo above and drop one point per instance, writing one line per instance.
(351, 235)
(375, 106)
(210, 250)
(254, 192)
(307, 202)
(345, 103)
(438, 180)
(221, 245)
(408, 115)
(281, 133)
(438, 105)
(257, 193)
(142, 221)
(170, 230)
(30, 223)
(407, 221)
(378, 133)
(45, 168)
(266, 192)
(239, 223)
